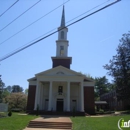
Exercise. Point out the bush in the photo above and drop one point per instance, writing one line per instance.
(101, 111)
(10, 113)
(16, 110)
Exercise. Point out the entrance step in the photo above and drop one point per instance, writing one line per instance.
(51, 123)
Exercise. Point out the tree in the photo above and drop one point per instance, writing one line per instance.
(102, 86)
(17, 100)
(119, 67)
(16, 88)
(9, 89)
(2, 85)
(26, 91)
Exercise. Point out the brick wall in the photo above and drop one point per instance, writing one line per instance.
(31, 97)
(63, 62)
(89, 106)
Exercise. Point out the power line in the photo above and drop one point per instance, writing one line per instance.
(66, 22)
(19, 16)
(9, 8)
(9, 55)
(33, 23)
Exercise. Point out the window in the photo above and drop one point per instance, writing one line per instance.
(62, 34)
(61, 50)
(60, 90)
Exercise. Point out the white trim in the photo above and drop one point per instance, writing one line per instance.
(85, 84)
(59, 68)
(36, 96)
(32, 82)
(68, 96)
(50, 96)
(82, 97)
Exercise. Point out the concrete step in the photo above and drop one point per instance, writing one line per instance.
(49, 122)
(43, 129)
(52, 125)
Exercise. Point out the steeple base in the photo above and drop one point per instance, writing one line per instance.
(63, 61)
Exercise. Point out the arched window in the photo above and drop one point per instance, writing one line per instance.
(62, 34)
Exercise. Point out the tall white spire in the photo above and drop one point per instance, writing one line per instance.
(62, 42)
(63, 18)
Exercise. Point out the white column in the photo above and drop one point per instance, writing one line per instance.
(50, 97)
(82, 97)
(36, 95)
(68, 96)
(41, 96)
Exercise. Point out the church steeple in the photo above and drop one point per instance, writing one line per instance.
(62, 42)
(63, 18)
(62, 45)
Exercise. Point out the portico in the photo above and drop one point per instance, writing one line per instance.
(51, 88)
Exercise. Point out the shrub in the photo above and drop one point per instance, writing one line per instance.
(101, 111)
(16, 110)
(10, 113)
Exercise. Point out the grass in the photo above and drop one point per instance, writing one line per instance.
(19, 122)
(97, 123)
(15, 122)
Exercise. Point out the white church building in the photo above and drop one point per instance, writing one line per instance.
(61, 89)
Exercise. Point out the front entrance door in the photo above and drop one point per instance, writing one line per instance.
(59, 105)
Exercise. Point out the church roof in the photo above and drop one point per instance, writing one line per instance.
(61, 70)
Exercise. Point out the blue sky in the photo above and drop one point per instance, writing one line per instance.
(92, 41)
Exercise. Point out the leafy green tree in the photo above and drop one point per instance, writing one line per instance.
(16, 88)
(2, 85)
(17, 100)
(26, 91)
(102, 86)
(119, 66)
(9, 89)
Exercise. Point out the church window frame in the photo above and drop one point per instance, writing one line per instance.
(60, 90)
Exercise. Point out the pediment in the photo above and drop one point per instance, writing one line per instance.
(59, 71)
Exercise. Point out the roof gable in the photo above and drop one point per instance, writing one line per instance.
(59, 70)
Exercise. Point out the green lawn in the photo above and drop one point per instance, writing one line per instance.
(19, 122)
(97, 123)
(15, 122)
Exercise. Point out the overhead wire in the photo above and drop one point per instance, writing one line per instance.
(9, 55)
(20, 15)
(9, 8)
(33, 22)
(66, 23)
